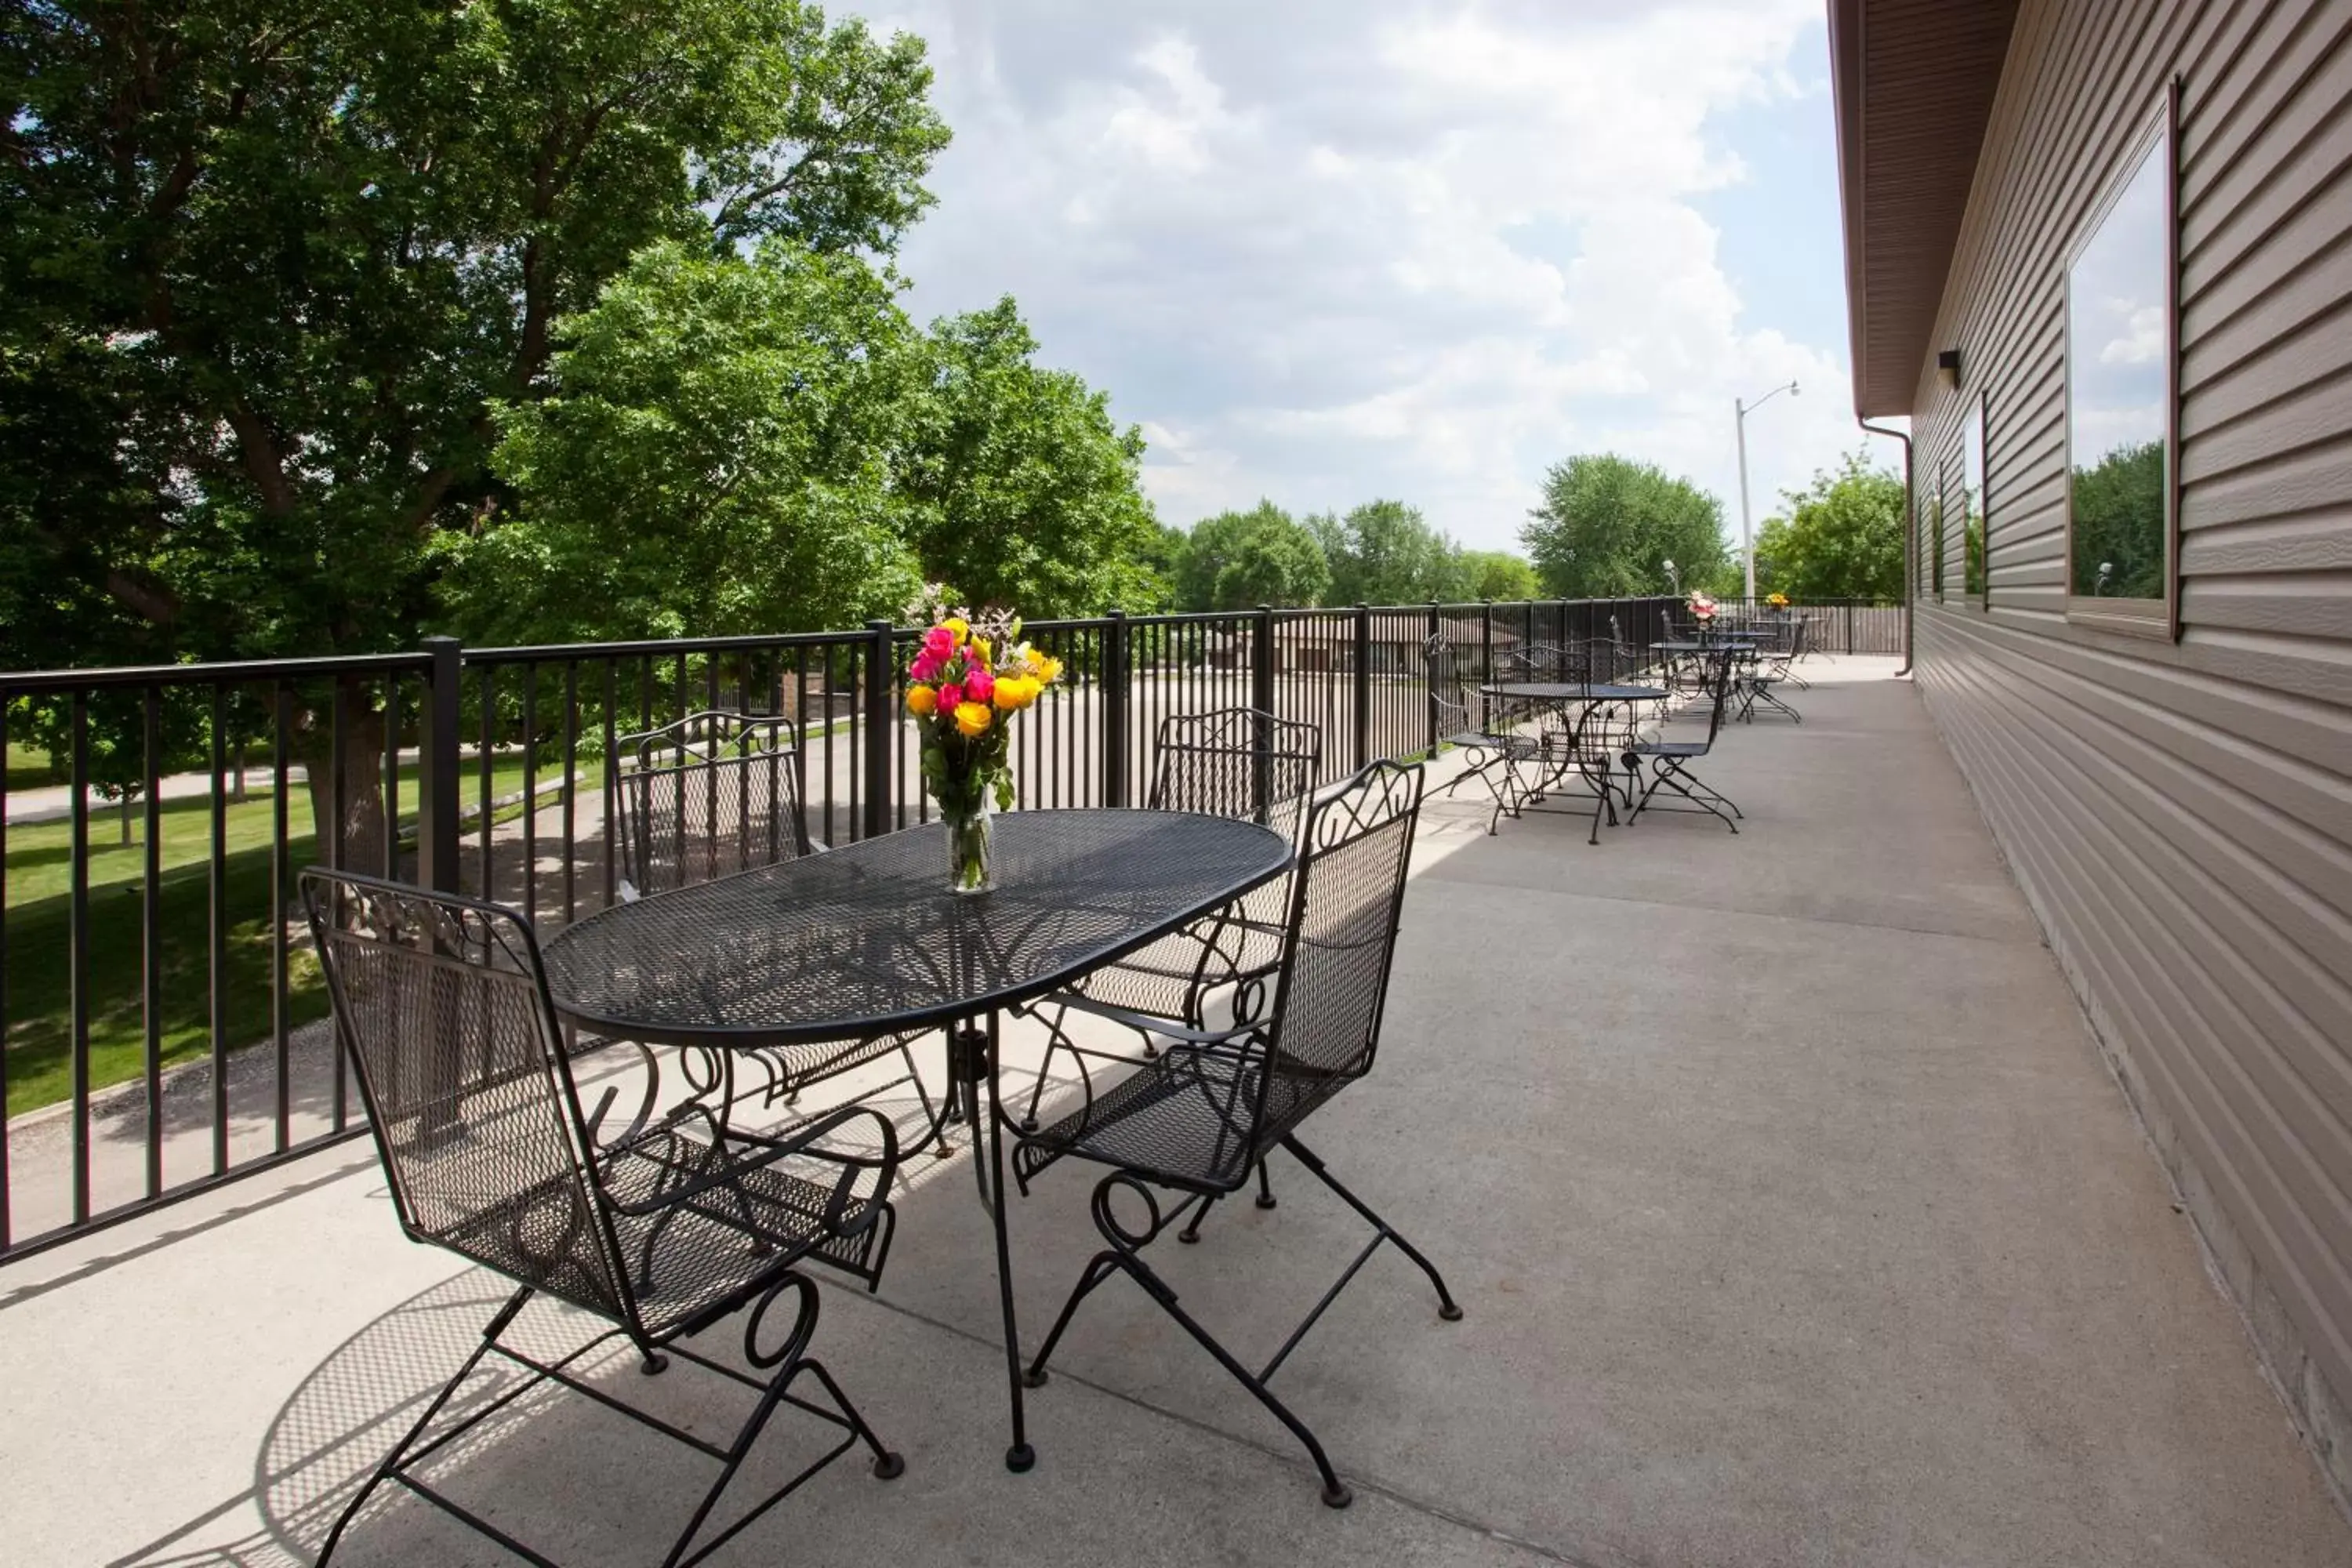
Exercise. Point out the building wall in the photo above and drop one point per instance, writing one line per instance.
(2180, 816)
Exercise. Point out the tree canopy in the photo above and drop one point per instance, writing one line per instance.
(1237, 560)
(1019, 488)
(268, 270)
(1842, 539)
(1385, 553)
(2118, 513)
(1607, 525)
(1497, 574)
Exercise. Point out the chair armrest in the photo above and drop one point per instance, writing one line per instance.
(1146, 1023)
(802, 1141)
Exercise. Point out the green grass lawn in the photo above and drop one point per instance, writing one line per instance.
(40, 1039)
(40, 1036)
(29, 768)
(40, 854)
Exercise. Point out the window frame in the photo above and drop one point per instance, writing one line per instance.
(1975, 414)
(2156, 618)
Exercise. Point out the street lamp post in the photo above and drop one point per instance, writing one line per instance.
(1739, 413)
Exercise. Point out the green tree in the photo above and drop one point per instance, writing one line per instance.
(1020, 490)
(1385, 553)
(714, 457)
(1497, 574)
(2118, 512)
(1607, 525)
(277, 264)
(1842, 539)
(1237, 560)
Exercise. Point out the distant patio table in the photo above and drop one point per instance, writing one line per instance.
(1587, 698)
(865, 940)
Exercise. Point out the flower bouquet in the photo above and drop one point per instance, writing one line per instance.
(1778, 601)
(965, 683)
(1702, 607)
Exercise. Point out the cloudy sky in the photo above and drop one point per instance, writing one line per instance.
(1329, 250)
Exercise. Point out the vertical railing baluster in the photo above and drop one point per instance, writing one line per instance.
(390, 869)
(7, 1225)
(78, 954)
(612, 776)
(150, 931)
(571, 790)
(879, 721)
(437, 770)
(483, 780)
(531, 792)
(217, 884)
(281, 730)
(1115, 694)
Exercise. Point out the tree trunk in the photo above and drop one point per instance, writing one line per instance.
(361, 832)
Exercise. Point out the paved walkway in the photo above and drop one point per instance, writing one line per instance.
(1797, 1221)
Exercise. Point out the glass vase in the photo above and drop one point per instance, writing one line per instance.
(968, 843)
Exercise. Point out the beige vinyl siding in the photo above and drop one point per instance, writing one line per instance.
(2180, 817)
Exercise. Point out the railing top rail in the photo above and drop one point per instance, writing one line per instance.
(25, 683)
(550, 653)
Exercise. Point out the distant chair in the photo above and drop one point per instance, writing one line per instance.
(1217, 1102)
(443, 1005)
(1489, 731)
(710, 796)
(1670, 761)
(1237, 762)
(1774, 670)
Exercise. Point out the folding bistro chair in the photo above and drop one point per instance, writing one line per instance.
(1774, 668)
(1489, 731)
(1670, 760)
(443, 1004)
(1195, 1122)
(1236, 762)
(710, 796)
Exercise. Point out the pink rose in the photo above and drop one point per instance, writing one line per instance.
(950, 697)
(939, 642)
(979, 685)
(926, 667)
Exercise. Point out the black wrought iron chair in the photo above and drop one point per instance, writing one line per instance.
(1493, 734)
(1772, 668)
(1670, 760)
(1237, 762)
(1216, 1103)
(711, 795)
(441, 1004)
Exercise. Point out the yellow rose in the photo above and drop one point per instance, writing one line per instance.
(1016, 691)
(921, 701)
(973, 718)
(960, 627)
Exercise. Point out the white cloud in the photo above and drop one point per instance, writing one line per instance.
(1336, 249)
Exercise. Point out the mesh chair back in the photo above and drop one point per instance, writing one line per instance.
(1238, 763)
(441, 1003)
(710, 794)
(1349, 888)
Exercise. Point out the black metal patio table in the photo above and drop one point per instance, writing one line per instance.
(1589, 698)
(867, 940)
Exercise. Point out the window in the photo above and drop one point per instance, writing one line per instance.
(2121, 342)
(1935, 534)
(1972, 500)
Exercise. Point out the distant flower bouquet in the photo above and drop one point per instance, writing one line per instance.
(968, 679)
(1701, 608)
(1778, 601)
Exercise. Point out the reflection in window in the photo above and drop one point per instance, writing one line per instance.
(2118, 353)
(1936, 527)
(1972, 498)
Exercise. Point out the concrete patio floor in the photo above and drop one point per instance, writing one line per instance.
(1796, 1217)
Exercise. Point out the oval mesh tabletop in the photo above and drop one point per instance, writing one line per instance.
(867, 940)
